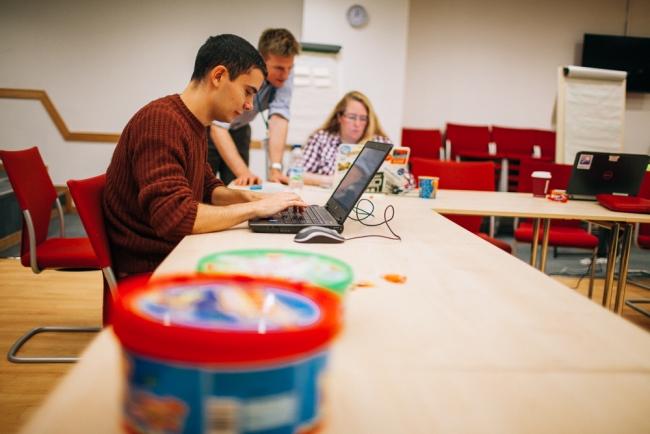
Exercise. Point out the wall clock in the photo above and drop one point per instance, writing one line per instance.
(357, 15)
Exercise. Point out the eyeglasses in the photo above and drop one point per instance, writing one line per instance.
(353, 118)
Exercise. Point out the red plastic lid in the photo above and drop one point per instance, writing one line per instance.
(224, 319)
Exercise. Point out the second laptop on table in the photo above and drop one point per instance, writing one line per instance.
(606, 173)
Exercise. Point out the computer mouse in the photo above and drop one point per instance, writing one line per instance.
(318, 234)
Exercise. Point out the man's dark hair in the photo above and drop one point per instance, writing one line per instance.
(233, 52)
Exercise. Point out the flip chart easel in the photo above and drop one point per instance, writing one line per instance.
(590, 111)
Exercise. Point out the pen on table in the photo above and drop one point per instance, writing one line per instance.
(255, 187)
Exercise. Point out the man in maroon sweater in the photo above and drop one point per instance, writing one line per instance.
(159, 186)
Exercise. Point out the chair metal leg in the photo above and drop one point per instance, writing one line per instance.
(637, 283)
(11, 356)
(633, 304)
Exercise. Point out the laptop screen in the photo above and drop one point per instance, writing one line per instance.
(359, 176)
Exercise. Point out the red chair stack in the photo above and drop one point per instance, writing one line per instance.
(471, 143)
(423, 143)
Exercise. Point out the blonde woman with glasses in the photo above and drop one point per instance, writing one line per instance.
(352, 121)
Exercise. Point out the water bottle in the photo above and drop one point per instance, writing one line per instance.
(296, 168)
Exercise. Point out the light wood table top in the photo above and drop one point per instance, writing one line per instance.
(474, 341)
(503, 204)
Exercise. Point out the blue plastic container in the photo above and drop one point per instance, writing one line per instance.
(224, 354)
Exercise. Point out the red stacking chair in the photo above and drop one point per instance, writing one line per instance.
(642, 242)
(36, 195)
(516, 144)
(423, 143)
(545, 139)
(88, 195)
(562, 233)
(642, 238)
(471, 143)
(462, 176)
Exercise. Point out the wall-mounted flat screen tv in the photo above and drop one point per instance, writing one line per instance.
(621, 53)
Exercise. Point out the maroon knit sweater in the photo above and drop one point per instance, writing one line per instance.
(156, 179)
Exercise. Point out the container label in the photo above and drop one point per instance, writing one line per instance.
(230, 416)
(170, 399)
(222, 415)
(226, 306)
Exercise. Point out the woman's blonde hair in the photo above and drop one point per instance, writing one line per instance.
(373, 128)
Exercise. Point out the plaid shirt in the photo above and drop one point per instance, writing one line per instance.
(321, 151)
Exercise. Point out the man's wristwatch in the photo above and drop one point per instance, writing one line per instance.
(277, 166)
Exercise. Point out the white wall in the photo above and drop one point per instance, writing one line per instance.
(373, 57)
(422, 62)
(100, 62)
(495, 62)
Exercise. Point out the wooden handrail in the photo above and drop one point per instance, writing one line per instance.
(41, 95)
(56, 118)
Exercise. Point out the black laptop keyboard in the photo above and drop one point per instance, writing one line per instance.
(308, 217)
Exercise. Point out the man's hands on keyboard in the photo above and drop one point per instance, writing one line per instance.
(278, 202)
(308, 216)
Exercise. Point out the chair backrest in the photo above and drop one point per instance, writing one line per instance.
(514, 141)
(34, 191)
(644, 192)
(472, 138)
(545, 139)
(560, 174)
(88, 197)
(423, 143)
(458, 176)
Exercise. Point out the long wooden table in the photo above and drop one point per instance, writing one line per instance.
(474, 341)
(541, 210)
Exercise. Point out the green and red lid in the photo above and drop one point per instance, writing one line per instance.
(294, 266)
(224, 319)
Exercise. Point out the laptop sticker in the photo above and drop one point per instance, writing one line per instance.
(585, 161)
(614, 158)
(400, 156)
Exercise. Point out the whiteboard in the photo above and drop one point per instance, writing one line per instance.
(590, 111)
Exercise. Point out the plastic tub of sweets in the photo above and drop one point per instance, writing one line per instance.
(296, 266)
(224, 354)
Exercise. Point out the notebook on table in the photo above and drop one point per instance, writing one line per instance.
(596, 173)
(339, 205)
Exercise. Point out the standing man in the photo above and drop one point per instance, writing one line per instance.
(229, 144)
(159, 186)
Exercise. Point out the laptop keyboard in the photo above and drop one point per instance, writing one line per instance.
(308, 217)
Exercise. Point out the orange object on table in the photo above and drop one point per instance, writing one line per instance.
(395, 278)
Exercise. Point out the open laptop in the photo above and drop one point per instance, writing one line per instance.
(339, 205)
(606, 173)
